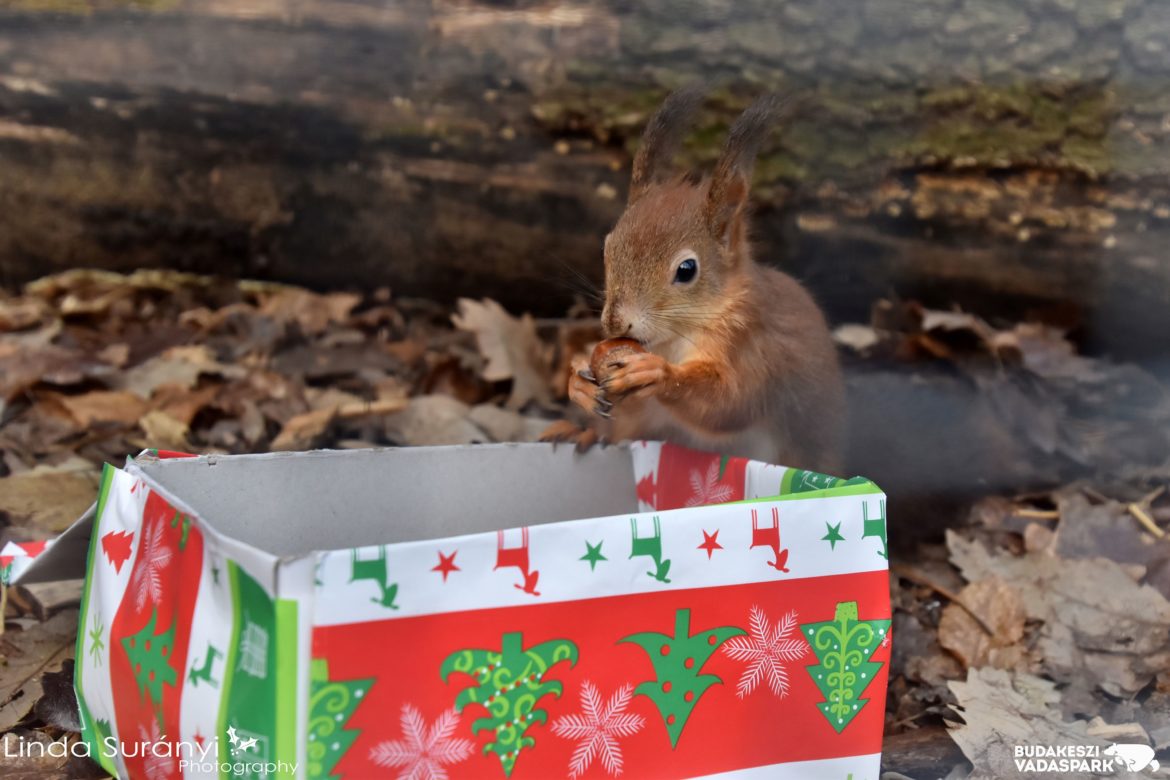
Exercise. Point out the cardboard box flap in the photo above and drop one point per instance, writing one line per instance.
(291, 504)
(65, 558)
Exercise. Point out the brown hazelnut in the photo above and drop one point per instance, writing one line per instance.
(610, 350)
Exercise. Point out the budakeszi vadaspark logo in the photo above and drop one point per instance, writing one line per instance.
(1135, 758)
(1069, 759)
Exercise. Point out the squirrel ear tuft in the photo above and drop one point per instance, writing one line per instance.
(662, 137)
(731, 182)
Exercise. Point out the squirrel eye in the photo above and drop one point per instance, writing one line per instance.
(687, 271)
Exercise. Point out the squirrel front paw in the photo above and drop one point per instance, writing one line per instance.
(584, 391)
(639, 375)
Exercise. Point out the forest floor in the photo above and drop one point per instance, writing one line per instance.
(1036, 612)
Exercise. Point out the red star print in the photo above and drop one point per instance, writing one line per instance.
(710, 543)
(446, 564)
(199, 739)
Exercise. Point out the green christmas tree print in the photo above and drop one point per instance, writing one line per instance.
(843, 646)
(509, 685)
(678, 662)
(331, 704)
(150, 658)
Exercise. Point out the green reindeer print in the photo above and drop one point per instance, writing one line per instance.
(204, 672)
(374, 569)
(651, 547)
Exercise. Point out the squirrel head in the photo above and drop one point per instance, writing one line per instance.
(673, 257)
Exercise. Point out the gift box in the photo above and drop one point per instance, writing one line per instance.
(504, 611)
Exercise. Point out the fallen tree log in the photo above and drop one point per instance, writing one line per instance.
(1008, 158)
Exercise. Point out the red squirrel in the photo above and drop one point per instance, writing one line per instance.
(738, 358)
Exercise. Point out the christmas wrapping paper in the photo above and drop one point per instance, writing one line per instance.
(734, 622)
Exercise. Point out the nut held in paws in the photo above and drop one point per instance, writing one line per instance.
(610, 350)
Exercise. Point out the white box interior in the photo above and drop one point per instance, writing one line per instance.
(290, 504)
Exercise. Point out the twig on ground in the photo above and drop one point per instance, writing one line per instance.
(1038, 514)
(1138, 510)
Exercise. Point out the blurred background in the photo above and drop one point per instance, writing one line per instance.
(1009, 158)
(978, 193)
(1006, 156)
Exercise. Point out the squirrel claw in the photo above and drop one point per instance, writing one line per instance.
(566, 432)
(602, 412)
(587, 375)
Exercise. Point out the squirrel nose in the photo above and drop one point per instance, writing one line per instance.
(611, 320)
(615, 327)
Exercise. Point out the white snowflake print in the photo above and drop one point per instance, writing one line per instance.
(156, 767)
(422, 752)
(706, 489)
(155, 557)
(598, 727)
(766, 650)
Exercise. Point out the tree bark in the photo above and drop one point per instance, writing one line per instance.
(1010, 157)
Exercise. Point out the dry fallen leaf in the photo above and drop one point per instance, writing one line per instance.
(1105, 530)
(101, 406)
(183, 404)
(42, 762)
(20, 314)
(51, 365)
(117, 355)
(49, 498)
(304, 430)
(313, 312)
(27, 655)
(166, 369)
(998, 605)
(317, 363)
(1099, 624)
(510, 347)
(1004, 709)
(164, 432)
(181, 366)
(330, 398)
